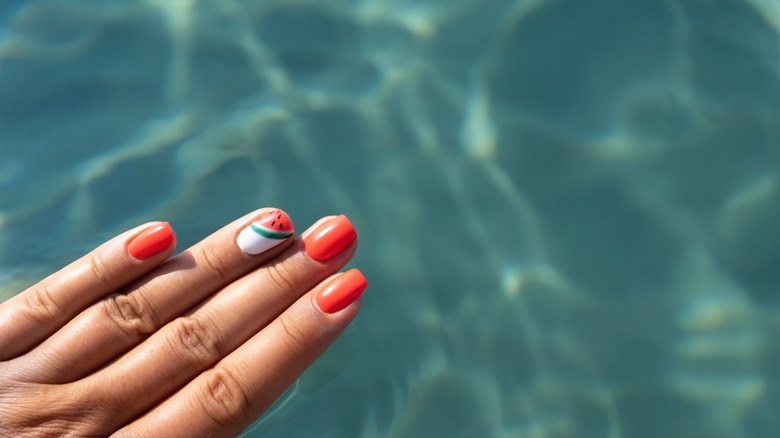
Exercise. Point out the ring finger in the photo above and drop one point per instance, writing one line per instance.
(194, 342)
(122, 320)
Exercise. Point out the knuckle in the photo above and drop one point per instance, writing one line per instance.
(295, 337)
(225, 401)
(42, 306)
(100, 269)
(199, 339)
(283, 278)
(130, 314)
(214, 262)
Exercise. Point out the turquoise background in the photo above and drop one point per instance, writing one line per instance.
(567, 209)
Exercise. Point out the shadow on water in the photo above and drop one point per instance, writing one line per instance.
(566, 211)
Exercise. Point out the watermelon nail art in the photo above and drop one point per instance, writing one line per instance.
(265, 233)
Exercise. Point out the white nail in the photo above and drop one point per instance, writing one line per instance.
(265, 233)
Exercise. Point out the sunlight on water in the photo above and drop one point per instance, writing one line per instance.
(566, 209)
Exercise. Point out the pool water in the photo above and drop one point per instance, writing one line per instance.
(568, 210)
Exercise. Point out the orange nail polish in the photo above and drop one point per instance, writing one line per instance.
(342, 291)
(330, 238)
(151, 241)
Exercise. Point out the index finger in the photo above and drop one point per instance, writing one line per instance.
(226, 398)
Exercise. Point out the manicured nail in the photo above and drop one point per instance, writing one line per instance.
(265, 233)
(329, 238)
(151, 241)
(342, 291)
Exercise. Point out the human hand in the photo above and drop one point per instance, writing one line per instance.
(124, 342)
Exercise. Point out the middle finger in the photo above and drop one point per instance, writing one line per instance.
(194, 342)
(122, 320)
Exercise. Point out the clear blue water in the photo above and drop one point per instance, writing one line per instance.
(568, 210)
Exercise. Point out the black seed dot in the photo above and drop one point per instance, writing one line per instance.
(280, 226)
(273, 223)
(279, 217)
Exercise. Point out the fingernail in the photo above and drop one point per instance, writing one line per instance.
(265, 233)
(151, 241)
(342, 291)
(330, 238)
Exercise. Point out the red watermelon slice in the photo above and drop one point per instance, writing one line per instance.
(269, 230)
(274, 225)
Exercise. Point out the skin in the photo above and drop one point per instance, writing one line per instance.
(198, 345)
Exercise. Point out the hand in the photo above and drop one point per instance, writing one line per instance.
(122, 342)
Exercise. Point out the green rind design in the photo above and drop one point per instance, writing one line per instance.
(278, 235)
